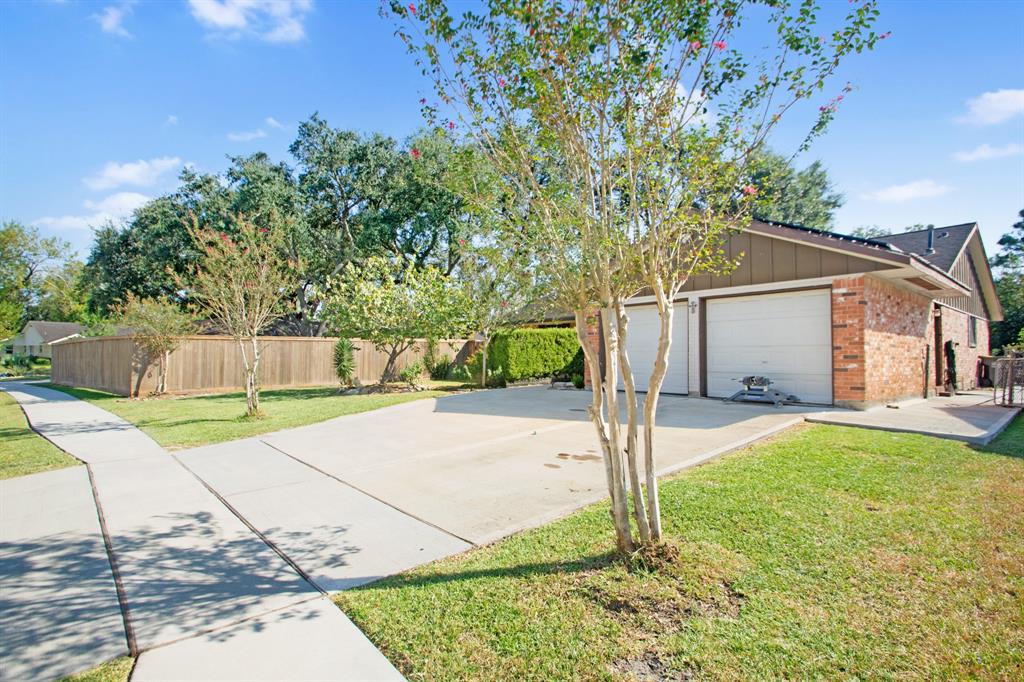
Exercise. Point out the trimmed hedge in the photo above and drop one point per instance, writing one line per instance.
(533, 353)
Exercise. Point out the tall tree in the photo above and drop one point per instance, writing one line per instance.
(1009, 269)
(804, 197)
(594, 113)
(25, 260)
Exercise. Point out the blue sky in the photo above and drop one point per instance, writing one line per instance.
(102, 102)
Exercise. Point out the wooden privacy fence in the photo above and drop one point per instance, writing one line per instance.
(213, 363)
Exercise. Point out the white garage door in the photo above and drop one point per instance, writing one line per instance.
(786, 337)
(642, 346)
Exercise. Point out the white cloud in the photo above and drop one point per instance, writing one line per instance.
(247, 135)
(115, 207)
(918, 189)
(274, 123)
(994, 107)
(111, 19)
(986, 151)
(275, 21)
(172, 120)
(139, 173)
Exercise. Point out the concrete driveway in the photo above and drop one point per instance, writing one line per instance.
(486, 464)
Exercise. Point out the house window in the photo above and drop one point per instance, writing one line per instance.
(972, 331)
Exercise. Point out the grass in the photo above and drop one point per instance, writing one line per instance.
(199, 420)
(22, 450)
(828, 552)
(116, 670)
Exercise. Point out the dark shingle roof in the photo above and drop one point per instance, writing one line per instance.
(949, 242)
(53, 331)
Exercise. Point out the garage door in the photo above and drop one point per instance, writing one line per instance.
(642, 346)
(786, 337)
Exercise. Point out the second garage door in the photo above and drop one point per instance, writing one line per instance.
(642, 346)
(786, 337)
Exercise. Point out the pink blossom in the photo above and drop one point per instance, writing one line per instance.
(501, 81)
(695, 45)
(719, 44)
(412, 8)
(423, 100)
(415, 153)
(749, 190)
(504, 304)
(462, 242)
(451, 125)
(885, 35)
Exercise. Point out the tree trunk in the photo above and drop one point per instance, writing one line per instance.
(483, 363)
(666, 311)
(620, 511)
(623, 537)
(390, 374)
(639, 508)
(252, 366)
(161, 385)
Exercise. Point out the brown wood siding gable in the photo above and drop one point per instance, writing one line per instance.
(766, 260)
(965, 271)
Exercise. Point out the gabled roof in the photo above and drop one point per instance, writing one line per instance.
(54, 331)
(948, 243)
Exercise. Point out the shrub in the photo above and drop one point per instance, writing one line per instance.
(440, 369)
(496, 377)
(459, 373)
(533, 353)
(577, 380)
(412, 373)
(345, 361)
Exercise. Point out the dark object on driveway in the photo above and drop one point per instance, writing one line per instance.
(757, 389)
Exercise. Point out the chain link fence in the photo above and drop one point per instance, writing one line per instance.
(1007, 377)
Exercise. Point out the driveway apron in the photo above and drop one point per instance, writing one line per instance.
(191, 567)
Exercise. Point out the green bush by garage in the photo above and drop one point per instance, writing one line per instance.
(533, 353)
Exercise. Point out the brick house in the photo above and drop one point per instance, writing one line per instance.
(831, 318)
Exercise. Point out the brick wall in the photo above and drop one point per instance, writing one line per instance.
(955, 328)
(880, 334)
(896, 341)
(848, 307)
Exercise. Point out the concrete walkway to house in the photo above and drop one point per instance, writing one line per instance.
(971, 417)
(218, 601)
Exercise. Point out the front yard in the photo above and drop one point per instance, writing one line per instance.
(831, 552)
(22, 450)
(199, 420)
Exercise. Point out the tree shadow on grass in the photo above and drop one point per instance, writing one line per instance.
(581, 564)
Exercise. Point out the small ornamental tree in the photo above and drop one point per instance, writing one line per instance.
(242, 282)
(157, 326)
(368, 303)
(625, 127)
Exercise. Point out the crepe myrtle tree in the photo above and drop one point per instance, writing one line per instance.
(243, 281)
(627, 126)
(373, 304)
(158, 326)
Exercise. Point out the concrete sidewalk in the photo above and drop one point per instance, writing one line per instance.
(59, 612)
(970, 417)
(190, 566)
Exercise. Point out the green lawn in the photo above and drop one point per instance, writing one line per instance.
(191, 421)
(22, 450)
(829, 552)
(116, 670)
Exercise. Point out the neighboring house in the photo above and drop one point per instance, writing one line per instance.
(37, 336)
(831, 318)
